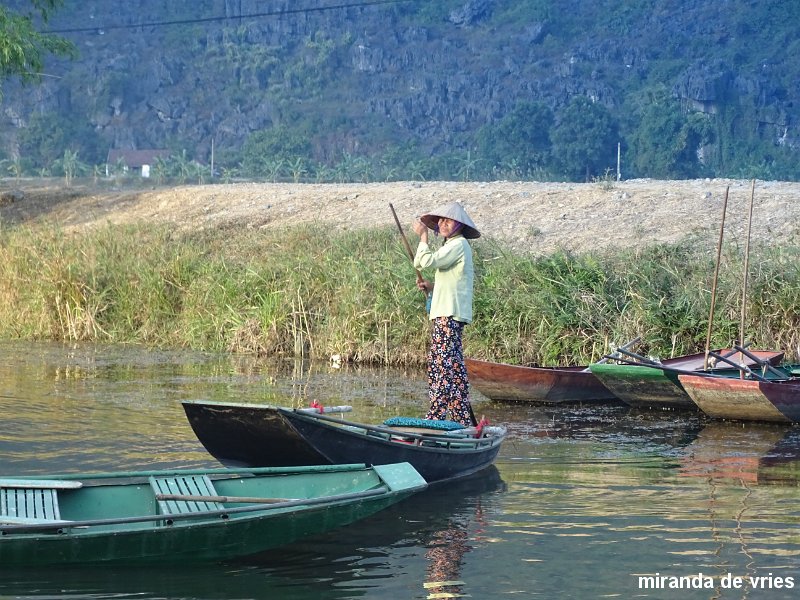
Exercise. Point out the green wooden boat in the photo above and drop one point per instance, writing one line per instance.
(656, 385)
(186, 515)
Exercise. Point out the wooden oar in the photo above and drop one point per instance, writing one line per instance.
(716, 276)
(759, 361)
(642, 359)
(615, 354)
(646, 361)
(409, 251)
(50, 525)
(668, 369)
(742, 367)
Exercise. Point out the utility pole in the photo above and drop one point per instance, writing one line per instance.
(212, 159)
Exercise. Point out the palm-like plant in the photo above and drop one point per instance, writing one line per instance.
(180, 166)
(97, 173)
(274, 168)
(198, 171)
(228, 173)
(70, 165)
(298, 168)
(468, 164)
(15, 168)
(160, 169)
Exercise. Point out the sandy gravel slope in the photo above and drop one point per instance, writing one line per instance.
(535, 217)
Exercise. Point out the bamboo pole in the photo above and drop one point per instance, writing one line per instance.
(746, 265)
(716, 277)
(409, 251)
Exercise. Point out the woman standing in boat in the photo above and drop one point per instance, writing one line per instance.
(450, 308)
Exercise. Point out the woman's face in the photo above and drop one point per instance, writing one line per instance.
(447, 227)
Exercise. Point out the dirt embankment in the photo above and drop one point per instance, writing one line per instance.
(529, 216)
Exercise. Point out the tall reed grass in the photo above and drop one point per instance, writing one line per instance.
(316, 293)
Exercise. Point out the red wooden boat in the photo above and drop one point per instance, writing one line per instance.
(745, 399)
(545, 385)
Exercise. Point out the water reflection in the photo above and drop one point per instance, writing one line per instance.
(583, 501)
(445, 554)
(748, 453)
(407, 536)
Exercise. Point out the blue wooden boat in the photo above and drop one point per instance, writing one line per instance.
(186, 515)
(260, 435)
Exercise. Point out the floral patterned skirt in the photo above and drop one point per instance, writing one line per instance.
(448, 388)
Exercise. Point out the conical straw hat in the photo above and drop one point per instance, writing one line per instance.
(454, 211)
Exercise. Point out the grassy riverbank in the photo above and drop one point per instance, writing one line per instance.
(316, 292)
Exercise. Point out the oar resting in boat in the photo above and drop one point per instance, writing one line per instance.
(642, 361)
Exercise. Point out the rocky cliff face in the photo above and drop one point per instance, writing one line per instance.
(359, 78)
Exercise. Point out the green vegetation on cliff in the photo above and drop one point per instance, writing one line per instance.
(448, 90)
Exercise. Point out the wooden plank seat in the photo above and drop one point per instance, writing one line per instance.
(190, 485)
(31, 501)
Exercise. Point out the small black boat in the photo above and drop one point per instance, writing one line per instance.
(268, 436)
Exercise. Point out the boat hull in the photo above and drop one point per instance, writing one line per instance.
(541, 385)
(258, 435)
(107, 522)
(241, 435)
(652, 387)
(745, 399)
(642, 386)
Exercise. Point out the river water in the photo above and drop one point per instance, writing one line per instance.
(584, 501)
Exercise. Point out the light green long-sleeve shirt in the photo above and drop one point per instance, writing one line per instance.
(452, 284)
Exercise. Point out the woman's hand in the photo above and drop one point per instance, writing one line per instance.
(425, 285)
(420, 229)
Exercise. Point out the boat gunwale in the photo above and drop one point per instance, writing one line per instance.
(451, 442)
(715, 373)
(143, 475)
(63, 526)
(570, 369)
(496, 432)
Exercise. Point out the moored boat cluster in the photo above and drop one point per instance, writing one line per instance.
(732, 384)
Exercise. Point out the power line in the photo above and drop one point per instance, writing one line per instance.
(275, 13)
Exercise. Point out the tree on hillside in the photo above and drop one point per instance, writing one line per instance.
(667, 141)
(23, 48)
(584, 140)
(270, 146)
(521, 139)
(46, 137)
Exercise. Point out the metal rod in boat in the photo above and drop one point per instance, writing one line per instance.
(444, 436)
